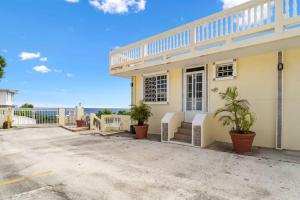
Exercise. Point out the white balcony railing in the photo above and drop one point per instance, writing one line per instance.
(254, 17)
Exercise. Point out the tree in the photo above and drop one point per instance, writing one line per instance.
(2, 65)
(27, 105)
(124, 112)
(104, 112)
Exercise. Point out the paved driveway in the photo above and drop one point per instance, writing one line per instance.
(53, 163)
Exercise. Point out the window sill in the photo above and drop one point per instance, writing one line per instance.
(156, 103)
(225, 78)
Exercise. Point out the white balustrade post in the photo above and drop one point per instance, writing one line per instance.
(79, 112)
(103, 122)
(61, 116)
(295, 8)
(287, 8)
(193, 41)
(279, 16)
(92, 118)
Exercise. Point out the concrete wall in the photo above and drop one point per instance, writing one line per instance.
(257, 81)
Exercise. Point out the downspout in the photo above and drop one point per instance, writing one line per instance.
(132, 86)
(133, 93)
(279, 104)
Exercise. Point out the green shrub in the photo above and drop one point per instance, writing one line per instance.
(104, 112)
(124, 112)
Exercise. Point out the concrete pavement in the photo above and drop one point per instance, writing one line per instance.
(53, 163)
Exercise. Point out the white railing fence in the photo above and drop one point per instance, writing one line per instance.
(254, 17)
(70, 117)
(35, 116)
(115, 123)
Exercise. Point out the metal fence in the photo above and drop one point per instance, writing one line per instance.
(35, 117)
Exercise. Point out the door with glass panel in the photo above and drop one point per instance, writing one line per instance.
(194, 94)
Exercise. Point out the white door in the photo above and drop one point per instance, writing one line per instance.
(194, 94)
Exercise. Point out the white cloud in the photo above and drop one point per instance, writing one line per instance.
(231, 3)
(44, 59)
(57, 70)
(28, 55)
(69, 75)
(72, 1)
(118, 6)
(41, 69)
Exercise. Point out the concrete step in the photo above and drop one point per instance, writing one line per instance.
(180, 141)
(183, 137)
(185, 131)
(186, 125)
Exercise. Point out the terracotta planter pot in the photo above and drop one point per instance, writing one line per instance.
(141, 131)
(80, 123)
(242, 143)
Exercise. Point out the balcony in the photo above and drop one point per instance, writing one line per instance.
(258, 23)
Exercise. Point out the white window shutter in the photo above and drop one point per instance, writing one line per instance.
(234, 68)
(214, 71)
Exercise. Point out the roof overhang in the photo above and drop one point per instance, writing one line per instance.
(9, 91)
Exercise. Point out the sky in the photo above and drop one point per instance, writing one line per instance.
(58, 50)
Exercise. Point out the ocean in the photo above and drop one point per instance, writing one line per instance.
(95, 110)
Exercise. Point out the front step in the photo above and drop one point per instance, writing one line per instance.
(184, 133)
(183, 137)
(180, 141)
(186, 125)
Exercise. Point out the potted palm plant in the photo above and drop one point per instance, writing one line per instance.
(141, 113)
(236, 114)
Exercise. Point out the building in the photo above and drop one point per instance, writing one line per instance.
(254, 46)
(7, 98)
(6, 105)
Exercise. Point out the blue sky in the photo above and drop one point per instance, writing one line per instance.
(58, 50)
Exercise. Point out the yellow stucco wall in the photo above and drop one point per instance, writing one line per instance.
(257, 82)
(175, 99)
(291, 104)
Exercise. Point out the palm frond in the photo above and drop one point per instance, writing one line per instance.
(236, 111)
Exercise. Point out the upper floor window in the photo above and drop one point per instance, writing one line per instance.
(225, 70)
(156, 88)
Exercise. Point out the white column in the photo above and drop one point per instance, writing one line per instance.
(92, 117)
(61, 116)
